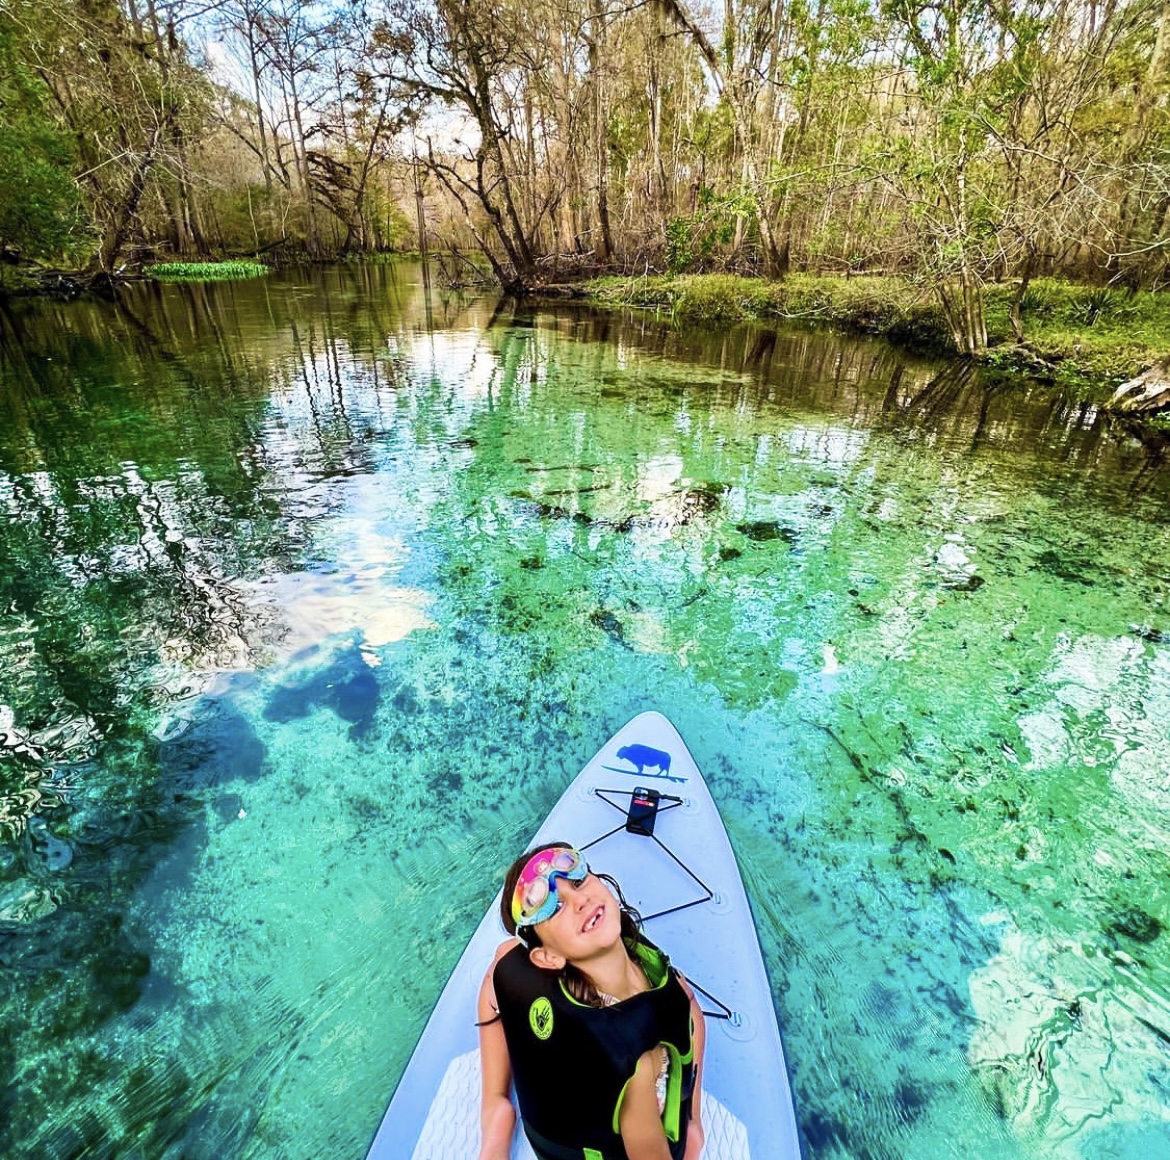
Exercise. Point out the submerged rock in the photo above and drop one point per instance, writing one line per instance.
(696, 501)
(762, 531)
(58, 855)
(228, 806)
(1063, 568)
(1134, 923)
(609, 624)
(1153, 635)
(679, 509)
(966, 584)
(553, 511)
(23, 901)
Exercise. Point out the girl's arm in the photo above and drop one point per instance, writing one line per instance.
(699, 1039)
(639, 1121)
(497, 1118)
(640, 1124)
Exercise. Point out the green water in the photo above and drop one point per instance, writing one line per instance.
(314, 593)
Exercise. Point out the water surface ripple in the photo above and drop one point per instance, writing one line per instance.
(316, 591)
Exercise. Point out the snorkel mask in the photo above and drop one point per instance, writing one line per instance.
(535, 899)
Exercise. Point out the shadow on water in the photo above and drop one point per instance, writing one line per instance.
(875, 386)
(73, 969)
(347, 686)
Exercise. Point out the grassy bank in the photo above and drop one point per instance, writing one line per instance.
(1085, 338)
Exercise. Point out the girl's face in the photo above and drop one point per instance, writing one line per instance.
(587, 922)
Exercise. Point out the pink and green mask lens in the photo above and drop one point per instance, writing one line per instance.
(535, 899)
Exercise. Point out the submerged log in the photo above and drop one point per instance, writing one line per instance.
(1149, 391)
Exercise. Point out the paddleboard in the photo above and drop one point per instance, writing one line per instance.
(685, 882)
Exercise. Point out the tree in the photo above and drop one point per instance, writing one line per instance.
(371, 110)
(469, 54)
(738, 76)
(40, 211)
(127, 102)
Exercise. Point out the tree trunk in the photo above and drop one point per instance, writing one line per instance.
(772, 262)
(301, 155)
(596, 42)
(356, 224)
(265, 165)
(1014, 313)
(1148, 392)
(419, 209)
(116, 232)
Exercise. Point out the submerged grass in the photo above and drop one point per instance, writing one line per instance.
(205, 271)
(1084, 337)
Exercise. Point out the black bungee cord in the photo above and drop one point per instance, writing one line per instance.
(725, 1012)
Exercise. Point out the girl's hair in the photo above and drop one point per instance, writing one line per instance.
(575, 981)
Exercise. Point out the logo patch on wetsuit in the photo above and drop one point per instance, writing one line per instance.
(540, 1018)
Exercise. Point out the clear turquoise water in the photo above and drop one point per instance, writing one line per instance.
(314, 592)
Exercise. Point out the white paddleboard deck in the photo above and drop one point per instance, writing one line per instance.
(748, 1112)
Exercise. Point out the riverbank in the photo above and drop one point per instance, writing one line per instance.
(23, 280)
(1086, 339)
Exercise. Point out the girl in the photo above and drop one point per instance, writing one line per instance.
(601, 1036)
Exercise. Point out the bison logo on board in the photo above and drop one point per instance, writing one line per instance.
(644, 757)
(540, 1018)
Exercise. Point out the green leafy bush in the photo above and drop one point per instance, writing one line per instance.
(680, 255)
(712, 298)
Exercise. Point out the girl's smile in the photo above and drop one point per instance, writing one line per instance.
(594, 918)
(586, 920)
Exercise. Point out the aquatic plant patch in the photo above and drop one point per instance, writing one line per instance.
(205, 271)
